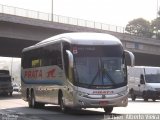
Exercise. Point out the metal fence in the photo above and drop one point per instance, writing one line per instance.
(60, 19)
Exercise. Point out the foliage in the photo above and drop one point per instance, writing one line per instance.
(140, 27)
(156, 27)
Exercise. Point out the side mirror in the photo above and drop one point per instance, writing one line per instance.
(70, 57)
(142, 79)
(70, 68)
(132, 58)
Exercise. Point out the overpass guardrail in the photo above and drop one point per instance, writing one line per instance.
(58, 18)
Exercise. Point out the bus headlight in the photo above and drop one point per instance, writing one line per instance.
(82, 94)
(123, 93)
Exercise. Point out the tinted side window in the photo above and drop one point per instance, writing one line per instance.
(44, 56)
(52, 55)
(31, 58)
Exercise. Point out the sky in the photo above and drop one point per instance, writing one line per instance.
(113, 12)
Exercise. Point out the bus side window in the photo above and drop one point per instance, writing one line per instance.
(31, 58)
(52, 55)
(36, 63)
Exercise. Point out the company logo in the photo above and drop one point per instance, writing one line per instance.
(33, 74)
(51, 73)
(103, 92)
(48, 73)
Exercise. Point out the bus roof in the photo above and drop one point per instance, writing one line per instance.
(82, 38)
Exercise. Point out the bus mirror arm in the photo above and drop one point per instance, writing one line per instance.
(132, 58)
(70, 57)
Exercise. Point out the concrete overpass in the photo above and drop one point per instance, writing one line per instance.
(17, 32)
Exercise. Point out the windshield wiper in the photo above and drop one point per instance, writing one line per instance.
(109, 76)
(94, 78)
(102, 70)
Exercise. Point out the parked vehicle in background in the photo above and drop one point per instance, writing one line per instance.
(16, 87)
(5, 83)
(76, 70)
(144, 82)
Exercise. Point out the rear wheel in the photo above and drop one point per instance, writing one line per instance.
(108, 110)
(153, 99)
(146, 99)
(29, 101)
(10, 93)
(32, 102)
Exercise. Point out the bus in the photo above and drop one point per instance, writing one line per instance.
(76, 70)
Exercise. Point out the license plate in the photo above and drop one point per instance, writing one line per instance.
(103, 103)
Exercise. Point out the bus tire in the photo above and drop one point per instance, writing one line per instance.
(40, 105)
(61, 102)
(10, 93)
(153, 99)
(29, 101)
(32, 103)
(108, 110)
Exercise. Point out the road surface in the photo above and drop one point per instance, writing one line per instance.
(14, 108)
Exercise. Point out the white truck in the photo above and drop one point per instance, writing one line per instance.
(5, 83)
(144, 82)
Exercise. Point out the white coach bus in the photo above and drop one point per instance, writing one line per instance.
(76, 70)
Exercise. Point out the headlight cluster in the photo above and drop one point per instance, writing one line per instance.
(83, 94)
(151, 88)
(157, 89)
(123, 93)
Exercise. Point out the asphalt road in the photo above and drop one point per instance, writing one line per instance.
(14, 108)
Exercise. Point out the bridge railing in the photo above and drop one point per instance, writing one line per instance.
(60, 19)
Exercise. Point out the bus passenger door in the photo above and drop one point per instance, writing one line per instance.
(68, 65)
(69, 87)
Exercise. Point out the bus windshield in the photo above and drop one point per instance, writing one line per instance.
(152, 78)
(99, 66)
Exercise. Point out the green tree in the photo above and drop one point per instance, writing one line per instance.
(156, 26)
(140, 27)
(158, 13)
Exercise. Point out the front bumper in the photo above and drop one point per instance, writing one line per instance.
(85, 102)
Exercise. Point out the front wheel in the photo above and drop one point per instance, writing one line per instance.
(61, 102)
(145, 97)
(108, 110)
